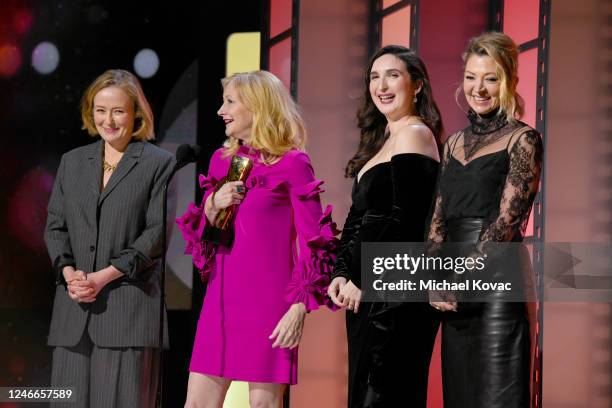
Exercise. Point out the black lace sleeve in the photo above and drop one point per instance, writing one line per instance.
(519, 191)
(350, 235)
(437, 226)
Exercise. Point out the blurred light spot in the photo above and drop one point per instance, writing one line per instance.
(22, 21)
(17, 365)
(146, 63)
(28, 208)
(45, 58)
(10, 59)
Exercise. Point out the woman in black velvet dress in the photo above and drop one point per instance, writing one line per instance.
(488, 181)
(395, 171)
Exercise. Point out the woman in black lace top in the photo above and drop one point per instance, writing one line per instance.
(395, 172)
(489, 177)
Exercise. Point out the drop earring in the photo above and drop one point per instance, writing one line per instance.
(414, 99)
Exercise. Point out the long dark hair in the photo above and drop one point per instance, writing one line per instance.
(373, 123)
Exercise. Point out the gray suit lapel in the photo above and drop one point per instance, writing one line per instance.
(127, 162)
(95, 167)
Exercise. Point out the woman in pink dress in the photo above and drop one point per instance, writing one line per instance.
(278, 265)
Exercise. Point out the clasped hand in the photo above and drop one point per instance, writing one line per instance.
(344, 294)
(443, 301)
(83, 288)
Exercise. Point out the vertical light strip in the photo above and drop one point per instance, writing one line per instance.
(243, 54)
(280, 41)
(526, 22)
(396, 27)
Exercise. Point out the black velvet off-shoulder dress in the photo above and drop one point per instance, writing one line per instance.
(389, 346)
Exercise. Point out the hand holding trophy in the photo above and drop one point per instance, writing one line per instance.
(221, 233)
(239, 170)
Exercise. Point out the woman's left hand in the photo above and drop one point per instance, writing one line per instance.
(94, 283)
(288, 331)
(88, 288)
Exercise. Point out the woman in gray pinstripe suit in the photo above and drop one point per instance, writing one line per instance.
(103, 235)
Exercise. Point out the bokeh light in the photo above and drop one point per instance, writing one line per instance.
(22, 21)
(45, 58)
(10, 59)
(146, 63)
(28, 208)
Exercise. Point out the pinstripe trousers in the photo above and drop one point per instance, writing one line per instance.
(101, 377)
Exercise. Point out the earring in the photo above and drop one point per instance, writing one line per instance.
(414, 99)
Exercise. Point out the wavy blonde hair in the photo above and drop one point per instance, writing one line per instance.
(125, 80)
(277, 123)
(503, 50)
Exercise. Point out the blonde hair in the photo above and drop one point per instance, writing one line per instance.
(503, 50)
(131, 86)
(277, 124)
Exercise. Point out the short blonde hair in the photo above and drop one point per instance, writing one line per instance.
(125, 80)
(277, 124)
(503, 50)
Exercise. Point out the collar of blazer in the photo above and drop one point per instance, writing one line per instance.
(128, 161)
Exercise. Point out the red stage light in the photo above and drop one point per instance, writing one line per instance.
(10, 59)
(22, 21)
(28, 208)
(17, 365)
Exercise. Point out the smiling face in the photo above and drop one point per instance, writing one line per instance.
(113, 114)
(481, 84)
(391, 87)
(238, 119)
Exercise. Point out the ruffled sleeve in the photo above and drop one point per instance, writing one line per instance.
(316, 233)
(193, 223)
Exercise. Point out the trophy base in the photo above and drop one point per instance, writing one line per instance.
(219, 236)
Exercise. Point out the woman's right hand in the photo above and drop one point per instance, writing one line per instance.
(70, 276)
(350, 296)
(334, 289)
(229, 194)
(443, 301)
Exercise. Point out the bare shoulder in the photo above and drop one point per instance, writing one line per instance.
(416, 138)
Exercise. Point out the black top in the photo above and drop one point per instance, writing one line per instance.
(391, 201)
(490, 170)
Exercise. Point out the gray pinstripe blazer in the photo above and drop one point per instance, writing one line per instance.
(121, 226)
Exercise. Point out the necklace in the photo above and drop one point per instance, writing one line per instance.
(109, 167)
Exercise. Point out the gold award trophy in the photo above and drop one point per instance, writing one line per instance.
(239, 170)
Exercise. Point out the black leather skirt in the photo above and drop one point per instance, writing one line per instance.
(485, 346)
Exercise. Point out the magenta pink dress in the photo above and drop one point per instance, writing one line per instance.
(282, 254)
